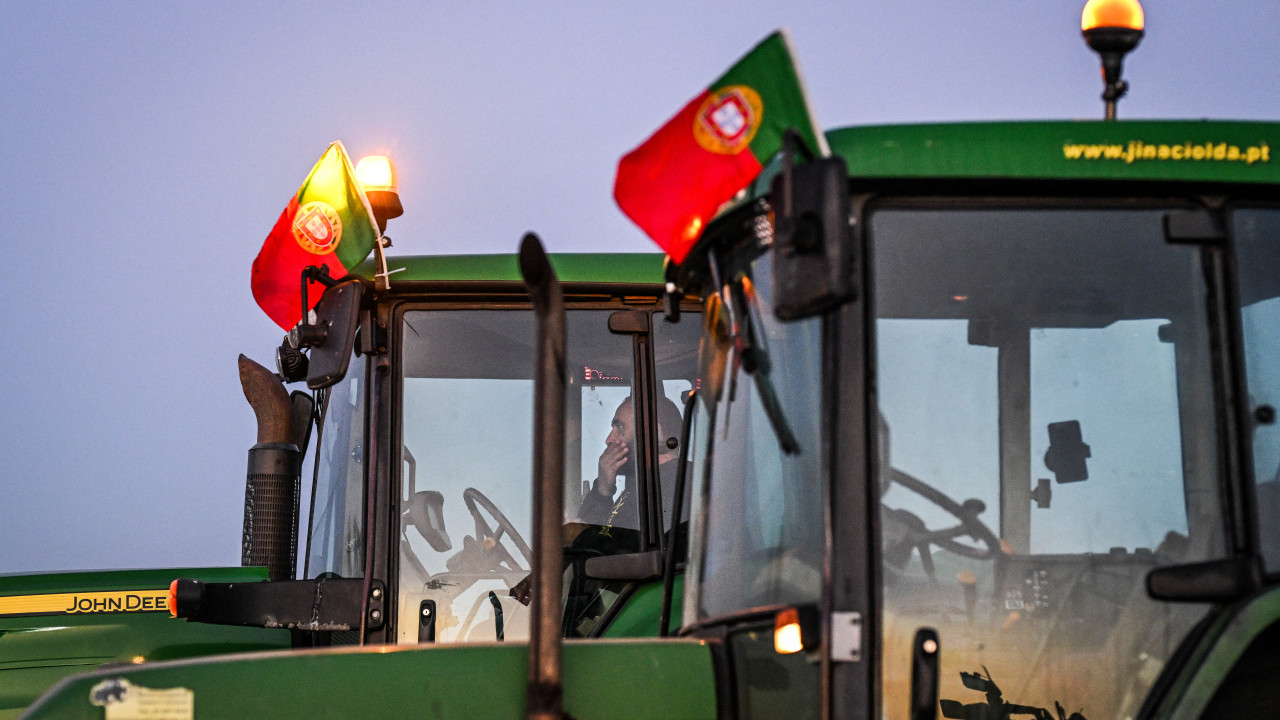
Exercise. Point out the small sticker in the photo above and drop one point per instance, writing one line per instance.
(123, 700)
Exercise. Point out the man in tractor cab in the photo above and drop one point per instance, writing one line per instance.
(600, 507)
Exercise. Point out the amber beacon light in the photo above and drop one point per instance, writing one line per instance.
(1112, 28)
(377, 177)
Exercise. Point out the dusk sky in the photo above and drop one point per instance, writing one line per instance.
(147, 149)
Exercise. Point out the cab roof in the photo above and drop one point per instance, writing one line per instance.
(596, 268)
(1161, 150)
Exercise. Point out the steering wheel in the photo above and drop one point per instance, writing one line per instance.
(966, 513)
(492, 538)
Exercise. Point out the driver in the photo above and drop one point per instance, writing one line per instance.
(603, 505)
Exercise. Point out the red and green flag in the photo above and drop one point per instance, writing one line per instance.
(672, 184)
(328, 222)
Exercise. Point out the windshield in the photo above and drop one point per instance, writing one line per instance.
(1047, 437)
(466, 432)
(757, 508)
(1257, 241)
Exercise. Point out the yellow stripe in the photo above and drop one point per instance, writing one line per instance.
(86, 603)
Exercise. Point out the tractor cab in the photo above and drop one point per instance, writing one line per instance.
(460, 434)
(420, 515)
(987, 429)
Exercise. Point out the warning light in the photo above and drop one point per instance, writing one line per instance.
(377, 176)
(1112, 14)
(1112, 28)
(173, 599)
(375, 172)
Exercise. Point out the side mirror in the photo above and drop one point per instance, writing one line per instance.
(812, 254)
(333, 336)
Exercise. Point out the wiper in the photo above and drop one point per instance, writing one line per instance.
(753, 351)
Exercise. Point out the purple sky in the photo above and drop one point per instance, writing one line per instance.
(147, 148)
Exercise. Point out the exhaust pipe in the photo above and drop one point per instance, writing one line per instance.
(545, 688)
(274, 477)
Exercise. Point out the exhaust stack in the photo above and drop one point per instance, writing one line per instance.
(274, 476)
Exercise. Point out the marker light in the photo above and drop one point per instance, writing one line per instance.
(786, 632)
(377, 176)
(796, 629)
(173, 599)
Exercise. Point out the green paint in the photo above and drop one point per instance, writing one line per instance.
(108, 580)
(1216, 654)
(639, 617)
(570, 267)
(37, 651)
(1065, 150)
(603, 679)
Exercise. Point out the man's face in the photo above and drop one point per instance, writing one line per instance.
(623, 428)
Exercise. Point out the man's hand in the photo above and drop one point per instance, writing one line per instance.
(611, 462)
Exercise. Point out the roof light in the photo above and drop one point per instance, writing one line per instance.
(377, 176)
(1112, 14)
(1112, 28)
(375, 172)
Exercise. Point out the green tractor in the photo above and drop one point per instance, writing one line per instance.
(419, 512)
(984, 426)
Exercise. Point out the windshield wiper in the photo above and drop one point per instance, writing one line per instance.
(753, 351)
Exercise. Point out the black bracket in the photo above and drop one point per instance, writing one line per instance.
(322, 604)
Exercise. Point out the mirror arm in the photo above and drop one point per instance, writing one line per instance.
(317, 274)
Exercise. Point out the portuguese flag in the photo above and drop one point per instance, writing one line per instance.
(327, 222)
(672, 185)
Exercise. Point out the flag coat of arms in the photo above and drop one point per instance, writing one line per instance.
(673, 183)
(328, 222)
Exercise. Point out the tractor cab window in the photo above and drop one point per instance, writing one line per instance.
(1047, 436)
(605, 502)
(466, 434)
(335, 542)
(1257, 242)
(675, 359)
